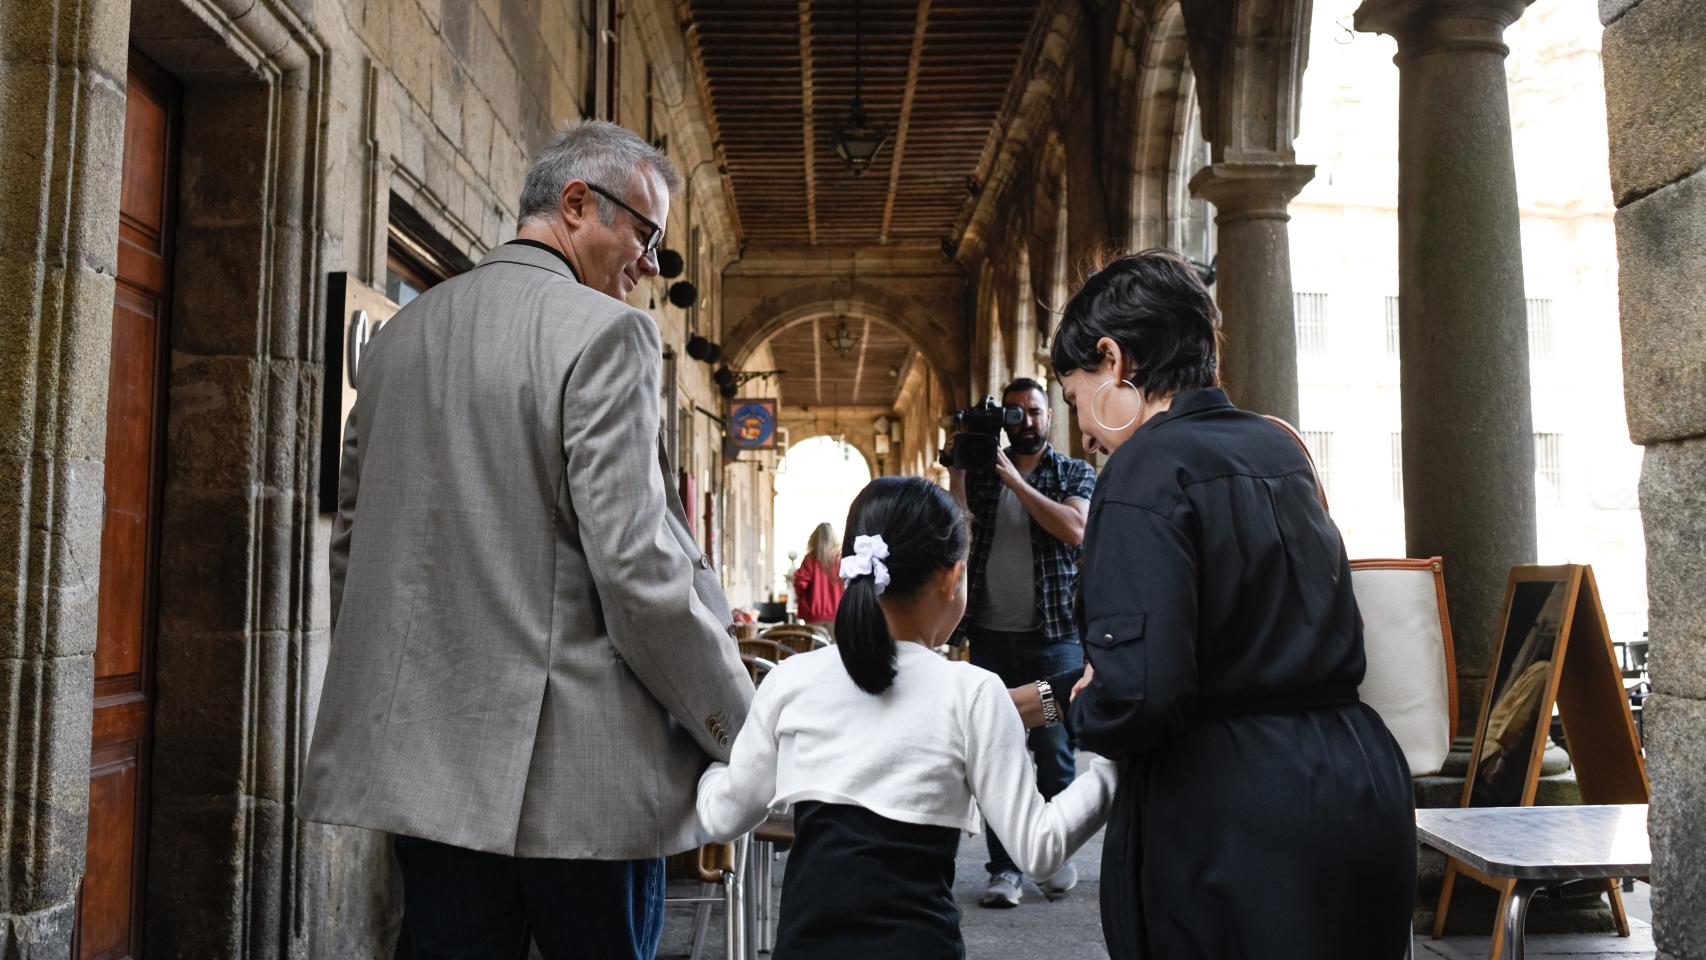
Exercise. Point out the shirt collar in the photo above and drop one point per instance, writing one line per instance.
(560, 255)
(1188, 402)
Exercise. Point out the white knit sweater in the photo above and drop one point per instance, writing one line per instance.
(942, 743)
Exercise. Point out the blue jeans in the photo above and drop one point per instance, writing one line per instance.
(1019, 658)
(461, 904)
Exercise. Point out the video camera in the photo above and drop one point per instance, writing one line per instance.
(979, 434)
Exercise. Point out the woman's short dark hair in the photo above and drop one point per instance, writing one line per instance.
(1156, 308)
(925, 531)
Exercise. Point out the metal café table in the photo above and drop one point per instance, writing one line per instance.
(1540, 847)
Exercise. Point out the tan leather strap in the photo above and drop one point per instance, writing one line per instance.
(1320, 491)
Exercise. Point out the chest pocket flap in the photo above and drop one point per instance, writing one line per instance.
(1116, 648)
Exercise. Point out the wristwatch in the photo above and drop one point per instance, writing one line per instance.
(1051, 710)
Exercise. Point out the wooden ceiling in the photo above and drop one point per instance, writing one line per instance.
(870, 374)
(780, 78)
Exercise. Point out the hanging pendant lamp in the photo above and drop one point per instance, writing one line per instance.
(858, 140)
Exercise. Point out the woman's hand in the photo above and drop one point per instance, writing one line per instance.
(1083, 682)
(1029, 702)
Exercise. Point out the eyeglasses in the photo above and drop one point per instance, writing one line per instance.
(654, 239)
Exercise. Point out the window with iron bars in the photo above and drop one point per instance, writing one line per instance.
(1549, 464)
(1540, 344)
(1311, 309)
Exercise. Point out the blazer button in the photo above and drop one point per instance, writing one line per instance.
(1107, 638)
(732, 631)
(722, 739)
(704, 561)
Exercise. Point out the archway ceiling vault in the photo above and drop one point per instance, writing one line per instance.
(870, 375)
(779, 75)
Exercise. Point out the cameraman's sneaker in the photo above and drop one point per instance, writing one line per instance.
(1063, 880)
(1003, 890)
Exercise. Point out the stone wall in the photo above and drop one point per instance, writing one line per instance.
(1655, 68)
(303, 122)
(62, 77)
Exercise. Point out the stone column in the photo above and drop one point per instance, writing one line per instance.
(1655, 66)
(1258, 359)
(1463, 330)
(62, 107)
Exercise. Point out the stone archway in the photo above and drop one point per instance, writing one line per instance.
(900, 303)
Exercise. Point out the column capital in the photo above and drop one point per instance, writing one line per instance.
(1427, 26)
(1251, 190)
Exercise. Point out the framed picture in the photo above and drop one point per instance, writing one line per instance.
(752, 423)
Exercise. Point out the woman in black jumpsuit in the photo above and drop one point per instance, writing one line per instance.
(1262, 810)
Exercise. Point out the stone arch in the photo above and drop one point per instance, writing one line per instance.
(933, 336)
(1162, 93)
(1248, 58)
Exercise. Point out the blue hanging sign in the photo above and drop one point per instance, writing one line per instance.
(752, 424)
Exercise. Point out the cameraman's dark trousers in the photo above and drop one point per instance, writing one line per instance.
(1021, 658)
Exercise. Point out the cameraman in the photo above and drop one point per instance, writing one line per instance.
(1028, 514)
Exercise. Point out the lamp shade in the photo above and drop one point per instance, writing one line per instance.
(683, 293)
(670, 264)
(858, 141)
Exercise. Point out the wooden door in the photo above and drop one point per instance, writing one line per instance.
(109, 913)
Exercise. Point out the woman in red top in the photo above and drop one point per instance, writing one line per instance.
(817, 582)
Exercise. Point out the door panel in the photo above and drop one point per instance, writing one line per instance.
(109, 910)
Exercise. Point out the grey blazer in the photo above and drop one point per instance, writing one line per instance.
(529, 654)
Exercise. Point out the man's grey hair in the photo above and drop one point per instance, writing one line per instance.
(598, 152)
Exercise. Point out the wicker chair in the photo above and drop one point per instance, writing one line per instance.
(799, 637)
(765, 648)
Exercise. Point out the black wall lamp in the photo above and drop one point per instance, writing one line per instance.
(670, 264)
(683, 293)
(703, 350)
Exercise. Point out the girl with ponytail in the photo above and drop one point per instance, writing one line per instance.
(887, 751)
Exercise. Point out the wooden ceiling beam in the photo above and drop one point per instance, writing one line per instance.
(920, 26)
(864, 345)
(817, 362)
(809, 132)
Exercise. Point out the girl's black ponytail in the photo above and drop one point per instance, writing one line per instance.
(925, 532)
(862, 636)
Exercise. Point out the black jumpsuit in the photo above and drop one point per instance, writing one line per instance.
(1262, 810)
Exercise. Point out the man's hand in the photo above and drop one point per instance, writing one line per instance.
(1006, 471)
(1083, 682)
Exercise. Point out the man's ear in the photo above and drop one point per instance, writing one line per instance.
(576, 204)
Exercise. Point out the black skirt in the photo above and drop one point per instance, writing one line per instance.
(859, 885)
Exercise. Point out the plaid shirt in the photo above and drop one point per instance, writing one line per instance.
(1055, 564)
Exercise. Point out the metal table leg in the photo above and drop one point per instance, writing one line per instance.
(1516, 916)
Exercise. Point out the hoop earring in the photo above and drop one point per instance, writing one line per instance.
(1098, 395)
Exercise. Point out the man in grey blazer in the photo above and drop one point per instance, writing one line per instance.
(531, 660)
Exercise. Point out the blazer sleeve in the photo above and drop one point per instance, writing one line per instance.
(677, 647)
(1140, 616)
(1040, 834)
(343, 525)
(734, 797)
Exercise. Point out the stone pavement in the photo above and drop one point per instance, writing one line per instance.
(1070, 928)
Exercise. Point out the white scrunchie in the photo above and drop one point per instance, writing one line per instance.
(867, 557)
